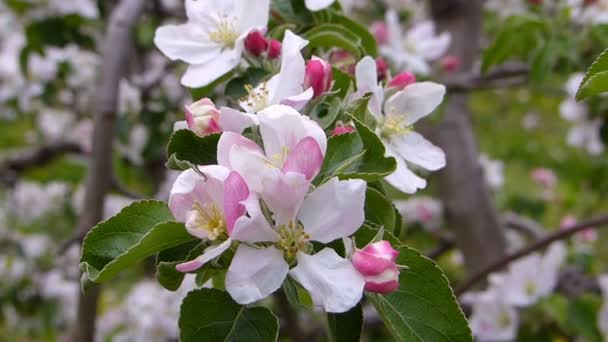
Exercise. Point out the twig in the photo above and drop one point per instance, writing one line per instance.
(35, 157)
(117, 45)
(523, 224)
(503, 77)
(445, 245)
(547, 240)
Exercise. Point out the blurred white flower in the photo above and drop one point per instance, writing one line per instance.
(493, 171)
(427, 211)
(34, 245)
(113, 204)
(55, 285)
(586, 131)
(129, 100)
(507, 8)
(492, 319)
(30, 201)
(414, 49)
(589, 12)
(134, 148)
(54, 123)
(531, 278)
(602, 318)
(84, 8)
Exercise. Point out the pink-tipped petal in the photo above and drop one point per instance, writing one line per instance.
(382, 288)
(235, 192)
(369, 264)
(306, 158)
(382, 249)
(210, 254)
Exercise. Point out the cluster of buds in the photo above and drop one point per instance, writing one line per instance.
(257, 44)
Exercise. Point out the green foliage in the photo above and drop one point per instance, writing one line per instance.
(346, 327)
(297, 295)
(367, 41)
(185, 149)
(519, 37)
(596, 78)
(359, 154)
(140, 230)
(211, 315)
(235, 88)
(424, 308)
(166, 260)
(379, 210)
(334, 35)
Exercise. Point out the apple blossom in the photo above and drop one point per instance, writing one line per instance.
(492, 319)
(589, 12)
(531, 278)
(318, 76)
(380, 32)
(413, 50)
(282, 173)
(381, 68)
(450, 63)
(212, 40)
(493, 172)
(395, 120)
(288, 86)
(424, 210)
(376, 262)
(507, 8)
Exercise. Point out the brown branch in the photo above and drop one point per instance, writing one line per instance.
(542, 243)
(117, 45)
(524, 225)
(290, 318)
(502, 77)
(35, 157)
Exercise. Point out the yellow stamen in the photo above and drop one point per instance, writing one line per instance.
(209, 219)
(257, 98)
(225, 32)
(292, 239)
(394, 124)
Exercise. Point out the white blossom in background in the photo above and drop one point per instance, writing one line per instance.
(531, 278)
(492, 319)
(34, 245)
(149, 313)
(414, 49)
(133, 149)
(55, 285)
(396, 117)
(212, 40)
(589, 12)
(493, 171)
(54, 123)
(317, 5)
(113, 203)
(425, 210)
(30, 201)
(129, 100)
(585, 132)
(10, 48)
(507, 8)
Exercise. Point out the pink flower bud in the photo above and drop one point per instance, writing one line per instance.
(450, 63)
(203, 118)
(402, 80)
(544, 177)
(318, 76)
(381, 68)
(274, 49)
(376, 263)
(380, 32)
(342, 129)
(536, 2)
(343, 60)
(567, 222)
(256, 43)
(589, 2)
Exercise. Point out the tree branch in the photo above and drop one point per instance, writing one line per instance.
(503, 77)
(542, 243)
(117, 45)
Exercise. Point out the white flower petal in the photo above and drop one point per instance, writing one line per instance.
(185, 42)
(283, 127)
(414, 148)
(190, 186)
(232, 120)
(334, 210)
(332, 281)
(284, 193)
(209, 254)
(252, 14)
(415, 101)
(254, 273)
(253, 227)
(200, 75)
(403, 178)
(317, 5)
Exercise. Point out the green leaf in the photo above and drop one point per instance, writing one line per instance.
(342, 82)
(582, 317)
(211, 315)
(346, 327)
(326, 112)
(140, 230)
(186, 146)
(596, 78)
(359, 154)
(332, 36)
(379, 210)
(424, 308)
(166, 274)
(369, 232)
(595, 85)
(359, 110)
(518, 38)
(297, 295)
(368, 42)
(235, 88)
(543, 61)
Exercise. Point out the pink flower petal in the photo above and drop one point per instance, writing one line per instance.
(235, 192)
(305, 158)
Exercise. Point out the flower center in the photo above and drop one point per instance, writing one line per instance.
(207, 218)
(225, 32)
(504, 320)
(410, 46)
(257, 98)
(278, 159)
(530, 288)
(292, 239)
(394, 124)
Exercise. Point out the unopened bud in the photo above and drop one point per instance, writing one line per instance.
(318, 76)
(402, 80)
(274, 49)
(256, 43)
